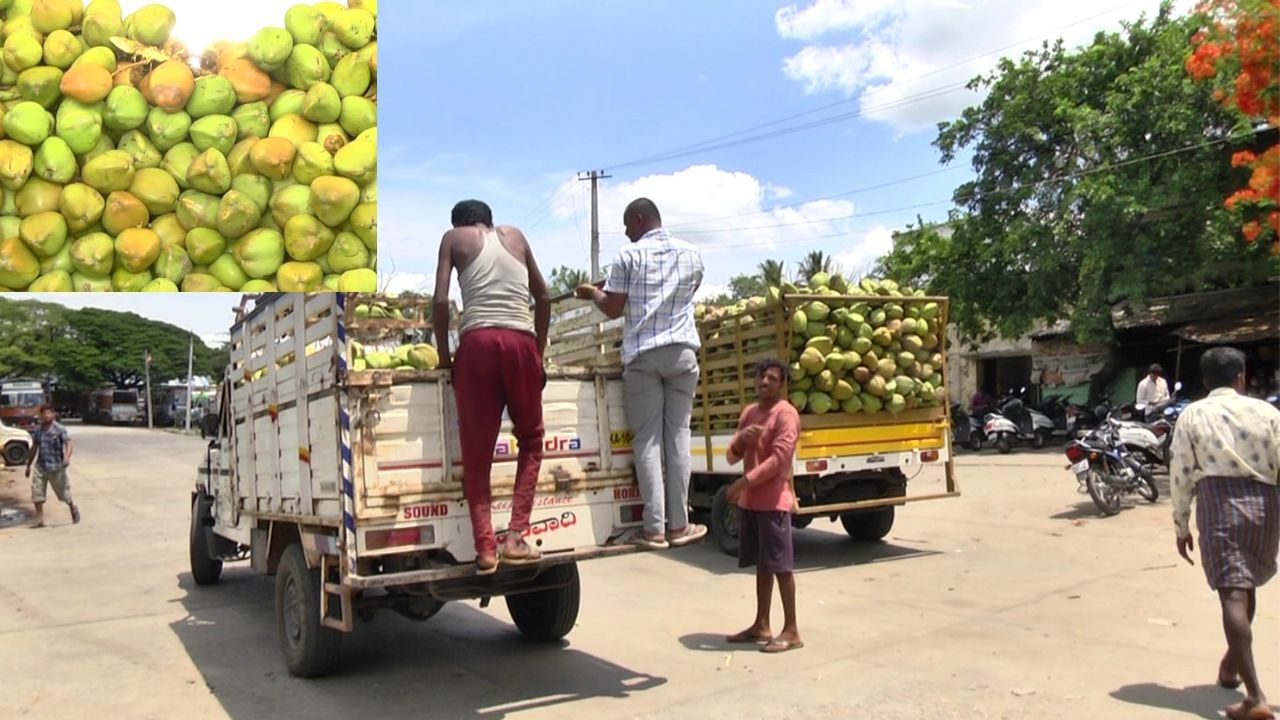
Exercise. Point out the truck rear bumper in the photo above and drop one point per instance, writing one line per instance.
(482, 582)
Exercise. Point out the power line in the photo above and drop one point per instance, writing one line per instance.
(971, 196)
(700, 146)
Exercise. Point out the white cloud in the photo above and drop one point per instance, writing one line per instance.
(859, 259)
(200, 22)
(729, 215)
(905, 62)
(398, 282)
(826, 16)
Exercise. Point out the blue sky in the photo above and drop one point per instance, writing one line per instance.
(505, 100)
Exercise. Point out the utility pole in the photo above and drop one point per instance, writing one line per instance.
(146, 358)
(594, 176)
(191, 348)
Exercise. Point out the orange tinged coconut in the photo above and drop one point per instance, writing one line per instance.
(250, 82)
(169, 85)
(272, 157)
(86, 83)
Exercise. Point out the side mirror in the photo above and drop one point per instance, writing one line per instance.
(1177, 386)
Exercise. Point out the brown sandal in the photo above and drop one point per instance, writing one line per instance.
(1245, 710)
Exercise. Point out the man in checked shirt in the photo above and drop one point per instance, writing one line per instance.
(1226, 455)
(653, 282)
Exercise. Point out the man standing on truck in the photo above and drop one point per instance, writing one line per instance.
(499, 364)
(653, 282)
(766, 440)
(1226, 455)
(51, 455)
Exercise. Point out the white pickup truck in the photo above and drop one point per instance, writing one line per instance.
(347, 484)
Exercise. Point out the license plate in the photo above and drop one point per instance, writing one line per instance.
(1080, 467)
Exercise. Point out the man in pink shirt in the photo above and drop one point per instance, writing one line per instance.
(766, 440)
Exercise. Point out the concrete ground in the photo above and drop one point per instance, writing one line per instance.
(1015, 600)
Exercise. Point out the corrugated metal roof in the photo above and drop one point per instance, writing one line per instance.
(1232, 330)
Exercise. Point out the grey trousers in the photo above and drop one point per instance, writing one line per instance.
(659, 386)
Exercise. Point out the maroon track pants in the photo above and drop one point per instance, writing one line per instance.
(496, 368)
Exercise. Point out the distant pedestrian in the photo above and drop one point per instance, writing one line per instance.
(1152, 389)
(766, 500)
(1226, 455)
(51, 454)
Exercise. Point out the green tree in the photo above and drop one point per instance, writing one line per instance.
(27, 330)
(772, 272)
(564, 279)
(745, 286)
(815, 262)
(1100, 175)
(103, 346)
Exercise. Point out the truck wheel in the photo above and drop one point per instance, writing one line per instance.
(800, 522)
(868, 526)
(310, 649)
(205, 570)
(1003, 444)
(15, 453)
(724, 522)
(548, 615)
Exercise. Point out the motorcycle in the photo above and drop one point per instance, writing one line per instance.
(1016, 421)
(1107, 471)
(966, 428)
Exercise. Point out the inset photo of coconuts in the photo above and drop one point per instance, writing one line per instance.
(191, 146)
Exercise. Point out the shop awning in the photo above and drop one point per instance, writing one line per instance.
(1232, 330)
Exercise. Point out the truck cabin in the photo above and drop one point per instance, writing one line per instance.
(20, 404)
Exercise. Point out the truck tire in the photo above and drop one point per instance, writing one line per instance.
(310, 649)
(205, 569)
(724, 522)
(548, 615)
(15, 453)
(868, 526)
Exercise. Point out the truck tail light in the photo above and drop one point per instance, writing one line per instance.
(929, 456)
(632, 513)
(399, 537)
(815, 465)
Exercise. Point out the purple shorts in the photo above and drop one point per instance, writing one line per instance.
(764, 539)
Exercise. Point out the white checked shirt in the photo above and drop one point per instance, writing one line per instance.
(1224, 435)
(659, 274)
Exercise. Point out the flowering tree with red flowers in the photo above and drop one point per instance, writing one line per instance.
(1237, 49)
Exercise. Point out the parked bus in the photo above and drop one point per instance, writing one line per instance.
(111, 406)
(20, 402)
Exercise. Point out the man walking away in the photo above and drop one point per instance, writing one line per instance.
(1226, 454)
(653, 283)
(499, 364)
(52, 448)
(766, 440)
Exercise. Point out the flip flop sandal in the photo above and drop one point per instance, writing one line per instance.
(532, 556)
(1243, 711)
(780, 646)
(75, 515)
(692, 533)
(639, 538)
(488, 569)
(745, 637)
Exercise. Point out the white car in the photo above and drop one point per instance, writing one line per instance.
(15, 444)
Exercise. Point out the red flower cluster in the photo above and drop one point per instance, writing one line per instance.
(1239, 51)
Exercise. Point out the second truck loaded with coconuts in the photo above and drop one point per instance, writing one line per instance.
(867, 366)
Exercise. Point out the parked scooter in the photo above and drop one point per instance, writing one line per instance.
(1017, 422)
(1107, 470)
(966, 429)
(1148, 443)
(1055, 408)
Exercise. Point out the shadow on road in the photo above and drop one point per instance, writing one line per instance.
(461, 663)
(1203, 700)
(814, 550)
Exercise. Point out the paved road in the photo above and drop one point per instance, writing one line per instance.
(1013, 601)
